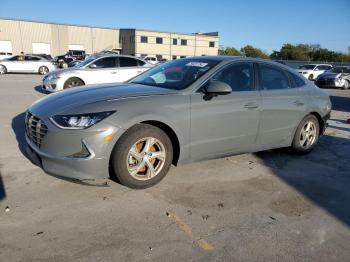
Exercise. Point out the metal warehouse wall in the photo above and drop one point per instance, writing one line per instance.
(23, 34)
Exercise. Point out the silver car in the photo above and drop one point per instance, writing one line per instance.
(180, 111)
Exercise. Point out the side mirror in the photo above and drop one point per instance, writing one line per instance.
(216, 88)
(93, 66)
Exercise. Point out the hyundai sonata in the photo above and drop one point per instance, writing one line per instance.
(180, 111)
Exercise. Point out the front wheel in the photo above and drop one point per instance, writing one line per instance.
(346, 84)
(3, 70)
(43, 70)
(142, 156)
(311, 77)
(73, 82)
(307, 134)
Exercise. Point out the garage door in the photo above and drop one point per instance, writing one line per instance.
(41, 48)
(76, 47)
(5, 47)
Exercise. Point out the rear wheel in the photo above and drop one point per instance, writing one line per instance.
(43, 70)
(72, 82)
(142, 156)
(311, 77)
(307, 134)
(3, 70)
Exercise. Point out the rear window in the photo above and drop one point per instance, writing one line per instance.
(127, 62)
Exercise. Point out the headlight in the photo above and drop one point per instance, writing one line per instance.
(52, 77)
(79, 121)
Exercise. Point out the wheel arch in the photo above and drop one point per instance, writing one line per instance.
(319, 118)
(171, 134)
(71, 77)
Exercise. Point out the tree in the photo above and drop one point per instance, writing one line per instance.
(229, 51)
(251, 51)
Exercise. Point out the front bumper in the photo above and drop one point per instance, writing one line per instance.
(329, 83)
(59, 152)
(52, 85)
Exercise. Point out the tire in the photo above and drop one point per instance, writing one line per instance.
(311, 77)
(346, 85)
(3, 70)
(43, 70)
(131, 159)
(306, 137)
(73, 82)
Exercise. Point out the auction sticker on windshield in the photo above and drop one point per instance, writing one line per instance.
(197, 64)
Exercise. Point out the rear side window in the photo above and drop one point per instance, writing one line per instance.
(127, 62)
(298, 81)
(273, 78)
(239, 76)
(32, 58)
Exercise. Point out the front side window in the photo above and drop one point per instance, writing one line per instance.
(273, 78)
(108, 62)
(127, 62)
(177, 74)
(159, 40)
(14, 58)
(298, 81)
(144, 39)
(183, 42)
(307, 67)
(240, 76)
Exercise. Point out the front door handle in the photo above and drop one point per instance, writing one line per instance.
(298, 103)
(251, 106)
(114, 72)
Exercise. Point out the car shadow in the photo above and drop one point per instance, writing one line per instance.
(18, 128)
(340, 103)
(322, 176)
(2, 189)
(39, 89)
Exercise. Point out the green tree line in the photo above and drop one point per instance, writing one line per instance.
(308, 52)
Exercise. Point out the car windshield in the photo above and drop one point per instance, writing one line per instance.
(338, 70)
(177, 74)
(85, 62)
(307, 67)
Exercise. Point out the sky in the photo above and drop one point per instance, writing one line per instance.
(266, 24)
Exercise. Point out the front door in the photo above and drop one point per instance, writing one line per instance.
(227, 123)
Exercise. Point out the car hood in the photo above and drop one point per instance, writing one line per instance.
(329, 75)
(82, 96)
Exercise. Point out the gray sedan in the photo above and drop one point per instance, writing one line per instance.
(180, 111)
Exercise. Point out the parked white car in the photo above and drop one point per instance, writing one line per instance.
(312, 71)
(151, 59)
(26, 64)
(96, 69)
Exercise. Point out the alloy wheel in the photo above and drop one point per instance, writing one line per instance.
(146, 158)
(73, 83)
(43, 70)
(308, 135)
(2, 70)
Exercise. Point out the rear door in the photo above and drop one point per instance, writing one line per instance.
(128, 68)
(283, 106)
(32, 63)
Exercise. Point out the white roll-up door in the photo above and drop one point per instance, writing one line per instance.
(76, 47)
(5, 47)
(41, 48)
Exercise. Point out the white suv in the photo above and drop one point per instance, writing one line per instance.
(311, 71)
(96, 69)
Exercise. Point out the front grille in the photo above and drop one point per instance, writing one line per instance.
(35, 129)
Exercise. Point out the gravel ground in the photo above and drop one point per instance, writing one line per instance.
(268, 206)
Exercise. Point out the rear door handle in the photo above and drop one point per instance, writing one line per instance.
(298, 103)
(251, 106)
